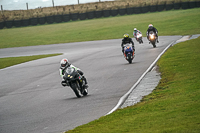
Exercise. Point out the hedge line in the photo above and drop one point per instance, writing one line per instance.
(97, 14)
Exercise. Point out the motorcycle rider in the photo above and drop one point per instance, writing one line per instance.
(126, 40)
(151, 28)
(135, 32)
(64, 64)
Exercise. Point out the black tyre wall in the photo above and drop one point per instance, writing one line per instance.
(122, 11)
(42, 20)
(185, 5)
(161, 7)
(50, 19)
(129, 10)
(33, 21)
(25, 22)
(2, 24)
(9, 24)
(169, 6)
(114, 12)
(145, 9)
(153, 8)
(58, 18)
(17, 23)
(82, 16)
(177, 5)
(106, 13)
(91, 15)
(66, 17)
(192, 4)
(74, 16)
(99, 14)
(137, 10)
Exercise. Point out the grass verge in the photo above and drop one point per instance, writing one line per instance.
(172, 107)
(10, 61)
(175, 22)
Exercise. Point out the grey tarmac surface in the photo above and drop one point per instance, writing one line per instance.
(150, 81)
(32, 99)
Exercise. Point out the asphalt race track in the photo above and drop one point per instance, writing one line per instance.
(32, 99)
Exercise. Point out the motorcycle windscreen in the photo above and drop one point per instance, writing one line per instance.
(69, 70)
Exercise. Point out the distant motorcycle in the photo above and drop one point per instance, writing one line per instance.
(129, 53)
(139, 37)
(152, 38)
(75, 81)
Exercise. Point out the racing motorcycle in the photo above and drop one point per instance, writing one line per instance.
(152, 38)
(129, 53)
(139, 37)
(75, 81)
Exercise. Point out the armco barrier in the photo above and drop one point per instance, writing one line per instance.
(98, 14)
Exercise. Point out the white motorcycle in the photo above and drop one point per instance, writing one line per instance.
(138, 37)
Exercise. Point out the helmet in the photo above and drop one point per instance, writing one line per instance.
(135, 28)
(150, 25)
(126, 36)
(64, 62)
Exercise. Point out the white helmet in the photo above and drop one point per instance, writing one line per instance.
(150, 25)
(135, 28)
(64, 62)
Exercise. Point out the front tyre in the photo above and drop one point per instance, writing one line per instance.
(75, 89)
(129, 58)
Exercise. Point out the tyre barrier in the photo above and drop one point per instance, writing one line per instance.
(129, 11)
(153, 8)
(74, 16)
(91, 15)
(9, 24)
(169, 7)
(17, 23)
(50, 19)
(98, 14)
(2, 24)
(122, 11)
(58, 18)
(66, 17)
(42, 20)
(106, 13)
(145, 9)
(82, 16)
(33, 21)
(114, 12)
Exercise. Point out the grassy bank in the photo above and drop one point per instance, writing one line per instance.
(172, 107)
(10, 61)
(177, 22)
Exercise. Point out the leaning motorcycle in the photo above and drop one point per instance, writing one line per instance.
(139, 37)
(152, 38)
(129, 53)
(75, 81)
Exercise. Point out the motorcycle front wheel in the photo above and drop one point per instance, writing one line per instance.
(76, 90)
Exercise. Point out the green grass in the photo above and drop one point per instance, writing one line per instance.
(10, 61)
(172, 107)
(176, 22)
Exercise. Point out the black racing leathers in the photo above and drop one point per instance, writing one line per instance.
(125, 41)
(152, 29)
